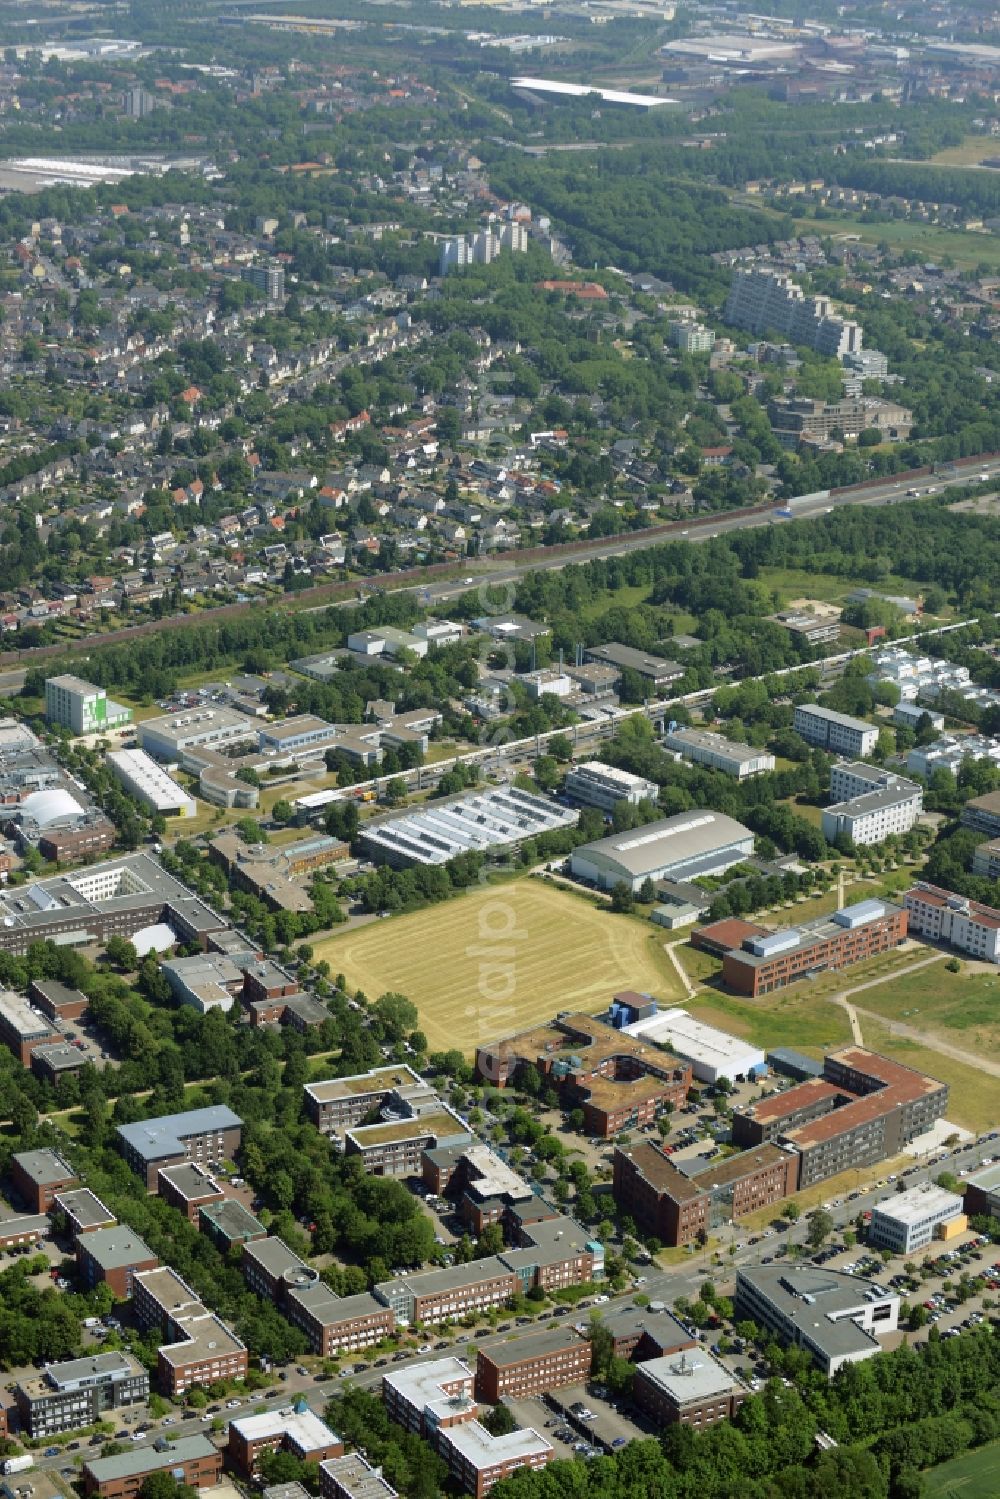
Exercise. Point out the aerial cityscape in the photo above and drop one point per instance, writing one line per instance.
(499, 750)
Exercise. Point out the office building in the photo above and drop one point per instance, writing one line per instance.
(79, 1391)
(57, 1001)
(187, 1187)
(801, 419)
(676, 848)
(300, 1432)
(333, 1325)
(766, 301)
(639, 1333)
(206, 1136)
(349, 1477)
(37, 1176)
(719, 753)
(528, 1366)
(682, 1204)
(435, 1400)
(913, 716)
(23, 1028)
(336, 1103)
(113, 1256)
(982, 1192)
(432, 1296)
(604, 786)
(199, 1348)
(834, 1317)
(966, 925)
(908, 1221)
(23, 1229)
(82, 707)
(689, 1389)
(205, 981)
(864, 1108)
(836, 732)
(83, 1211)
(982, 814)
(269, 279)
(228, 1222)
(619, 1081)
(870, 804)
(192, 1460)
(827, 944)
(394, 1146)
(986, 860)
(150, 784)
(814, 629)
(657, 673)
(138, 102)
(121, 898)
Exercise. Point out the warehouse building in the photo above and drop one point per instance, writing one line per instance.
(192, 1460)
(150, 784)
(836, 732)
(206, 1136)
(481, 820)
(687, 1389)
(857, 932)
(870, 804)
(676, 848)
(836, 1318)
(718, 753)
(604, 786)
(957, 922)
(79, 1391)
(713, 1054)
(908, 1221)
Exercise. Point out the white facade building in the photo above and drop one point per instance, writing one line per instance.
(871, 804)
(945, 917)
(598, 785)
(837, 732)
(719, 753)
(948, 753)
(763, 300)
(82, 706)
(713, 1054)
(149, 783)
(910, 1220)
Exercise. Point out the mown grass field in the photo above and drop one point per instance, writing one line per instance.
(974, 1475)
(502, 959)
(931, 242)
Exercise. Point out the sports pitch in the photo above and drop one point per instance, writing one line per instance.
(502, 959)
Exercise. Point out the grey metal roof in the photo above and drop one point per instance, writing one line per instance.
(148, 1460)
(670, 841)
(155, 1138)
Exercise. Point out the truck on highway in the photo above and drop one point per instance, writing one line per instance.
(19, 1464)
(784, 512)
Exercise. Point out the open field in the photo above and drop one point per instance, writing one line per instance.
(503, 959)
(964, 1007)
(829, 588)
(974, 1100)
(973, 150)
(790, 1019)
(929, 241)
(971, 1476)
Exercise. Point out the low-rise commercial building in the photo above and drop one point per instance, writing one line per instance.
(837, 732)
(836, 1318)
(38, 1175)
(300, 1432)
(719, 753)
(187, 1187)
(908, 1221)
(150, 784)
(966, 925)
(228, 1222)
(339, 1102)
(851, 935)
(654, 670)
(192, 1460)
(982, 1192)
(23, 1229)
(604, 786)
(688, 1389)
(206, 1136)
(204, 981)
(432, 1296)
(79, 1391)
(531, 1365)
(333, 1324)
(638, 1333)
(352, 1477)
(712, 1053)
(22, 1027)
(113, 1256)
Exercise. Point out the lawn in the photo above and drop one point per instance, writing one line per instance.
(829, 588)
(503, 959)
(932, 999)
(971, 1476)
(929, 241)
(974, 1100)
(792, 1018)
(973, 150)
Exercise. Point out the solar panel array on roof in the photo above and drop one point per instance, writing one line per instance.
(486, 819)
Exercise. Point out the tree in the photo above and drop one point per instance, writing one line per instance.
(500, 1422)
(622, 899)
(820, 1227)
(282, 812)
(792, 1212)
